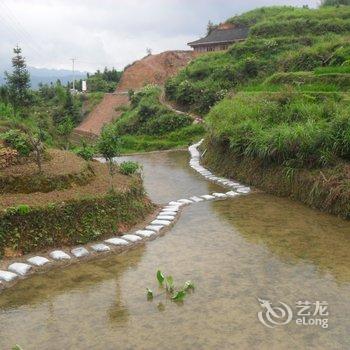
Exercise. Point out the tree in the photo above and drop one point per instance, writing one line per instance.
(210, 27)
(64, 129)
(18, 83)
(4, 98)
(108, 146)
(335, 2)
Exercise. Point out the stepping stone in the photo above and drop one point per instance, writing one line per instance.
(168, 212)
(155, 228)
(196, 199)
(7, 276)
(178, 204)
(116, 241)
(232, 194)
(185, 201)
(165, 217)
(219, 195)
(59, 255)
(144, 233)
(173, 208)
(132, 238)
(243, 190)
(100, 247)
(208, 197)
(38, 260)
(19, 268)
(161, 222)
(79, 252)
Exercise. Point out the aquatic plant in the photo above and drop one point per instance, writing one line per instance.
(167, 283)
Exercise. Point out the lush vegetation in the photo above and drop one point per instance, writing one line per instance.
(278, 103)
(26, 229)
(105, 81)
(148, 125)
(293, 129)
(281, 39)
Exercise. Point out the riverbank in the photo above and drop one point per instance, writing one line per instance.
(326, 189)
(16, 268)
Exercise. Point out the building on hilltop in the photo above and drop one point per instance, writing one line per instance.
(220, 38)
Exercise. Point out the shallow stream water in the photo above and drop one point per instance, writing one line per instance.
(235, 251)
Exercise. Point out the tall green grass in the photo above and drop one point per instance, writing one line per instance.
(284, 128)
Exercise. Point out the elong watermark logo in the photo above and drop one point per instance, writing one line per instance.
(307, 313)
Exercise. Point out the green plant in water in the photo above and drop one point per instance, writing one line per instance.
(17, 347)
(173, 293)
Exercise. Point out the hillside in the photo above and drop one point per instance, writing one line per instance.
(152, 69)
(278, 103)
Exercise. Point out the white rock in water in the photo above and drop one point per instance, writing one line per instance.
(185, 201)
(155, 228)
(232, 194)
(196, 199)
(168, 212)
(145, 233)
(171, 208)
(161, 222)
(243, 190)
(165, 217)
(100, 247)
(79, 252)
(208, 197)
(7, 276)
(19, 268)
(173, 203)
(59, 255)
(132, 238)
(116, 241)
(38, 260)
(219, 195)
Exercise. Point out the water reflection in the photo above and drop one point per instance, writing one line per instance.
(292, 231)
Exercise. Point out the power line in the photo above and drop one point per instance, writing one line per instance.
(18, 29)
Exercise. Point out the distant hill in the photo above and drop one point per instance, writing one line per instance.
(45, 75)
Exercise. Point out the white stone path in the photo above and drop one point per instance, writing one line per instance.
(165, 218)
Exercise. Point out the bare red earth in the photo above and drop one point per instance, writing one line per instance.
(152, 69)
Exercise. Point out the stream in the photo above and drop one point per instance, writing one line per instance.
(235, 251)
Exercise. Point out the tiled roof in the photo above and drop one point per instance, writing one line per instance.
(223, 36)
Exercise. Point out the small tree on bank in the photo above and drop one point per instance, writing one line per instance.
(108, 146)
(18, 83)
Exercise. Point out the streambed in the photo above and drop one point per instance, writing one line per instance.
(235, 251)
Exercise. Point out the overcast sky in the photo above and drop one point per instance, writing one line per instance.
(109, 32)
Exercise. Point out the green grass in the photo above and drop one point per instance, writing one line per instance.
(177, 139)
(148, 125)
(293, 129)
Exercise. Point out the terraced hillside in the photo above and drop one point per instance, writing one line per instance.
(279, 113)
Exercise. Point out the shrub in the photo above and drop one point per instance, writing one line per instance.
(86, 151)
(18, 141)
(129, 167)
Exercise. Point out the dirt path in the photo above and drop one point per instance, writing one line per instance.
(152, 69)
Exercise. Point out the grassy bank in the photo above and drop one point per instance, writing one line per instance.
(276, 106)
(326, 188)
(27, 228)
(148, 125)
(69, 203)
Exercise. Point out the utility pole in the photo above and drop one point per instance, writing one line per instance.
(73, 61)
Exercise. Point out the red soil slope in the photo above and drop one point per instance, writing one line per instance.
(152, 69)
